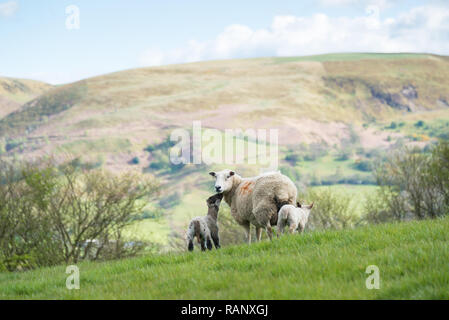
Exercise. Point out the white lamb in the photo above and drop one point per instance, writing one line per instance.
(293, 217)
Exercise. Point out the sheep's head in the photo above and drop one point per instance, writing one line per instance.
(223, 180)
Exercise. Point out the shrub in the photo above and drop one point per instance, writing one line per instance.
(331, 210)
(419, 124)
(413, 185)
(170, 201)
(134, 160)
(344, 154)
(53, 213)
(364, 165)
(392, 125)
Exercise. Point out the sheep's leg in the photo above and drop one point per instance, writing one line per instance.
(258, 233)
(263, 213)
(301, 228)
(190, 247)
(247, 227)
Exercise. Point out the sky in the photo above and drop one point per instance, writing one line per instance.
(65, 41)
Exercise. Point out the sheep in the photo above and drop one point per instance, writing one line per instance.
(255, 200)
(293, 217)
(205, 228)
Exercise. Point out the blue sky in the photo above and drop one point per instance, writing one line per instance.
(116, 34)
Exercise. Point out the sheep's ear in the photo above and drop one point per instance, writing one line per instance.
(298, 204)
(310, 206)
(231, 173)
(212, 174)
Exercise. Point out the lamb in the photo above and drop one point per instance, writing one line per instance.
(255, 200)
(293, 217)
(205, 228)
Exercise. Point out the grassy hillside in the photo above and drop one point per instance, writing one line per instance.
(325, 93)
(412, 258)
(15, 92)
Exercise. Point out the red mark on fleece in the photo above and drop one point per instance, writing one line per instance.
(246, 188)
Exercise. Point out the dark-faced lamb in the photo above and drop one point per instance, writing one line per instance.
(205, 228)
(293, 217)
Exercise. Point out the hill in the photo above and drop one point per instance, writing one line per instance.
(120, 113)
(412, 259)
(15, 92)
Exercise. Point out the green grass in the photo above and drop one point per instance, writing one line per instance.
(152, 230)
(412, 258)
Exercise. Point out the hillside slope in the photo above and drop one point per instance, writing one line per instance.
(319, 99)
(412, 258)
(15, 92)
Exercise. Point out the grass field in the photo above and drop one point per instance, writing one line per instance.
(412, 258)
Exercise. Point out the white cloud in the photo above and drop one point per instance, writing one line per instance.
(422, 29)
(8, 9)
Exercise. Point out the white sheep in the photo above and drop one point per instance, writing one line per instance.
(205, 228)
(293, 217)
(255, 200)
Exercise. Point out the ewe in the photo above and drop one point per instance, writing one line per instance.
(255, 200)
(206, 228)
(293, 217)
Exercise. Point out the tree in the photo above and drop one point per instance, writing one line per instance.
(52, 213)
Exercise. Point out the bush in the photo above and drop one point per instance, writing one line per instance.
(53, 213)
(364, 165)
(414, 185)
(134, 160)
(330, 211)
(392, 125)
(344, 154)
(419, 124)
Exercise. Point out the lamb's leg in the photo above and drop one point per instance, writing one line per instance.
(203, 244)
(258, 233)
(292, 228)
(216, 241)
(209, 243)
(190, 247)
(280, 228)
(247, 227)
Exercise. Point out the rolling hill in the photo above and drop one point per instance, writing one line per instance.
(15, 92)
(312, 99)
(411, 257)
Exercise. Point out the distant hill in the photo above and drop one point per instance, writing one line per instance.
(15, 92)
(311, 99)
